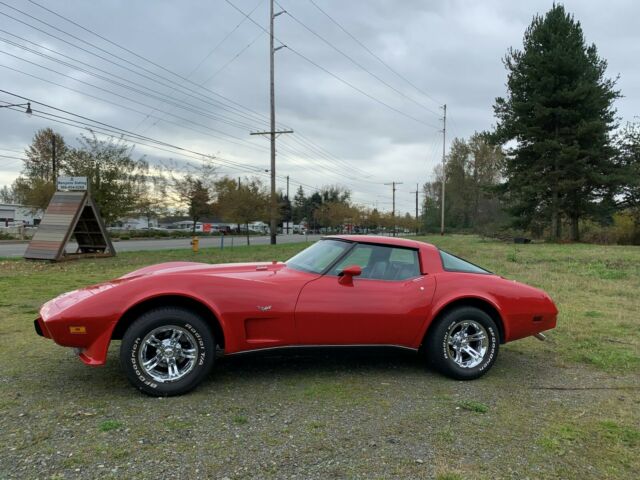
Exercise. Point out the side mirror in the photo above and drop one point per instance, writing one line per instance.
(346, 275)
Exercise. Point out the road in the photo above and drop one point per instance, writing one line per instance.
(18, 249)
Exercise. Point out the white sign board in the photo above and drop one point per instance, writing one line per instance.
(72, 183)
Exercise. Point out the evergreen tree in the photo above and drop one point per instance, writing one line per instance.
(559, 112)
(299, 202)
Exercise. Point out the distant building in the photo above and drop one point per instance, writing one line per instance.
(12, 214)
(137, 223)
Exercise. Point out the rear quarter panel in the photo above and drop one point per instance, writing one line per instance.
(524, 310)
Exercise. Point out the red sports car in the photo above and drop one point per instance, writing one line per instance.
(341, 291)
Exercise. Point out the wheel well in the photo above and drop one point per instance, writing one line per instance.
(478, 303)
(169, 301)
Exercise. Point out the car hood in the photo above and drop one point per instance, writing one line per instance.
(187, 268)
(250, 271)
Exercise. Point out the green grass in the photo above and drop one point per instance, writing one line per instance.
(240, 420)
(473, 406)
(449, 476)
(109, 425)
(564, 408)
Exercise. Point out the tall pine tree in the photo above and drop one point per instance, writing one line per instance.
(558, 115)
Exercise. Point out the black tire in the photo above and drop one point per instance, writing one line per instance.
(191, 354)
(445, 357)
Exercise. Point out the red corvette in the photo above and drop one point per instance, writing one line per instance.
(341, 291)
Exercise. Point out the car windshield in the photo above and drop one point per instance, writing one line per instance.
(318, 256)
(451, 263)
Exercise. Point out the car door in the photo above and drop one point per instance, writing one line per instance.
(386, 305)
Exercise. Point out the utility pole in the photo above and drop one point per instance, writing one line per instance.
(273, 227)
(393, 211)
(417, 222)
(53, 161)
(444, 164)
(288, 206)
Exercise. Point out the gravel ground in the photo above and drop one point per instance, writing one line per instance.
(330, 414)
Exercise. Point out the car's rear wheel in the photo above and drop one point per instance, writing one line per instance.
(463, 344)
(167, 351)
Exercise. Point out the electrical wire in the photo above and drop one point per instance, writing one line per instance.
(103, 58)
(156, 94)
(356, 63)
(334, 75)
(374, 55)
(347, 166)
(133, 64)
(252, 116)
(240, 141)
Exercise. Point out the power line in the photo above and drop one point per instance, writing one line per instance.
(172, 83)
(219, 44)
(134, 138)
(198, 96)
(118, 130)
(242, 141)
(141, 57)
(358, 64)
(226, 107)
(391, 69)
(342, 165)
(337, 77)
(180, 124)
(300, 138)
(204, 59)
(234, 58)
(153, 93)
(111, 92)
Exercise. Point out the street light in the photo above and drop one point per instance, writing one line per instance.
(28, 111)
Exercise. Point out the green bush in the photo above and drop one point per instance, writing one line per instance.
(625, 230)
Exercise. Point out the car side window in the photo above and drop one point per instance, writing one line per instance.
(360, 256)
(451, 263)
(381, 262)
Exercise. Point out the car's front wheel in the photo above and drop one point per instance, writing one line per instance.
(463, 344)
(167, 351)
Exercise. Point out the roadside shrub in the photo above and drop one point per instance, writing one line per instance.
(624, 230)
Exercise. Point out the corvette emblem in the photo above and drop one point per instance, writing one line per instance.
(265, 308)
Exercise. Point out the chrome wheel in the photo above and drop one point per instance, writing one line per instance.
(168, 353)
(467, 343)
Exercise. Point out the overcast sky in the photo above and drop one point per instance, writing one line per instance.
(371, 130)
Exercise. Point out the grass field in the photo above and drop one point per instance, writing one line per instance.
(565, 408)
